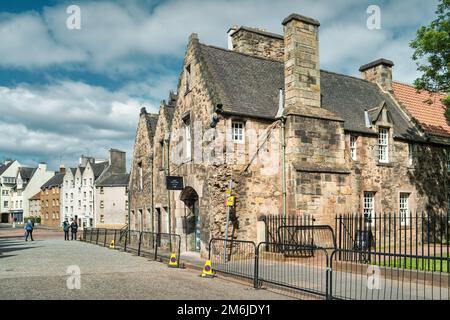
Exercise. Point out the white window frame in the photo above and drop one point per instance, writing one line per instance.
(238, 131)
(383, 145)
(404, 208)
(369, 204)
(354, 147)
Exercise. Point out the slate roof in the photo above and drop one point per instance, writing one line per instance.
(152, 120)
(429, 111)
(170, 107)
(249, 86)
(113, 180)
(98, 168)
(26, 173)
(5, 167)
(55, 181)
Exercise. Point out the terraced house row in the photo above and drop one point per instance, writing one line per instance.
(292, 138)
(95, 193)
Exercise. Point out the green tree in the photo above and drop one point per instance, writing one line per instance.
(432, 54)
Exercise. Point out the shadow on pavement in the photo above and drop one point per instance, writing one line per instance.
(9, 246)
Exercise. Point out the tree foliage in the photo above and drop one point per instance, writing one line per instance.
(432, 54)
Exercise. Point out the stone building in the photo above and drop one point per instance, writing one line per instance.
(28, 183)
(141, 175)
(35, 205)
(111, 193)
(50, 196)
(261, 121)
(8, 171)
(77, 192)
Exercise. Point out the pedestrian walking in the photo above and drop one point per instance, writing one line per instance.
(66, 228)
(29, 230)
(74, 229)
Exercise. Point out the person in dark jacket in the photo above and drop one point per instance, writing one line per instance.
(66, 228)
(29, 230)
(74, 229)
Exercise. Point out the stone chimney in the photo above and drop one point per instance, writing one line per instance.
(85, 159)
(62, 168)
(380, 72)
(301, 62)
(117, 161)
(42, 166)
(256, 42)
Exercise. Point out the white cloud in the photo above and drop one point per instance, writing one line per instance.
(139, 41)
(64, 119)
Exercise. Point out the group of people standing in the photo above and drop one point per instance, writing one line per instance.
(73, 227)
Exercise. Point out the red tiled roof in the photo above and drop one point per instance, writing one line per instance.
(37, 196)
(427, 109)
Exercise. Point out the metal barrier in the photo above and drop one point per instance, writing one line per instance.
(154, 245)
(306, 274)
(167, 244)
(388, 277)
(238, 259)
(300, 238)
(148, 244)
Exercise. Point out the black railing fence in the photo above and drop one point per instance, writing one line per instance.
(417, 234)
(235, 257)
(153, 245)
(278, 229)
(322, 275)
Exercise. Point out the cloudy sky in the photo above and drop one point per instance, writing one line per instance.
(67, 92)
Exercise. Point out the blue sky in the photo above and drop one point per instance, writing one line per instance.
(65, 92)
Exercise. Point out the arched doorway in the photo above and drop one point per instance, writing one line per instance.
(192, 219)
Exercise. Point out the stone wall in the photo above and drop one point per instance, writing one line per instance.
(141, 198)
(257, 193)
(258, 43)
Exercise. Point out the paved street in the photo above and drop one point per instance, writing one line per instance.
(37, 270)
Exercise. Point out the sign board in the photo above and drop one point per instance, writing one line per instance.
(230, 201)
(174, 183)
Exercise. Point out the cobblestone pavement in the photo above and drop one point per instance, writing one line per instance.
(37, 270)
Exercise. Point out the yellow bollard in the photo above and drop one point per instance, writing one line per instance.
(112, 245)
(207, 270)
(173, 262)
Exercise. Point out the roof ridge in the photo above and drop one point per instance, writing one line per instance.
(241, 53)
(423, 90)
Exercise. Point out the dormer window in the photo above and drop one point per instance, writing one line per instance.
(383, 145)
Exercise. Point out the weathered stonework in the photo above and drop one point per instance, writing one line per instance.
(321, 178)
(141, 185)
(258, 43)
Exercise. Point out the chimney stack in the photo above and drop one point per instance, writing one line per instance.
(230, 38)
(62, 168)
(380, 72)
(117, 161)
(301, 62)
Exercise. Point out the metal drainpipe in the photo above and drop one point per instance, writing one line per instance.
(153, 196)
(283, 164)
(168, 191)
(129, 204)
